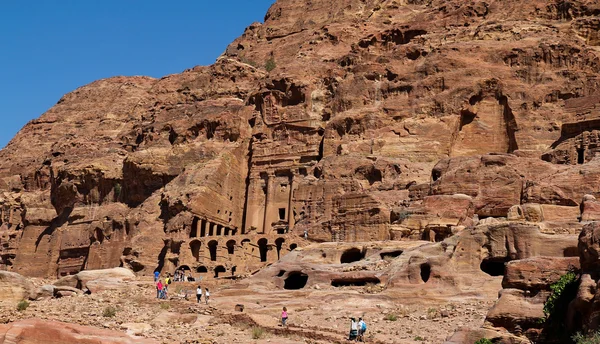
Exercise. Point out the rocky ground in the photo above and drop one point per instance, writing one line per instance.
(316, 316)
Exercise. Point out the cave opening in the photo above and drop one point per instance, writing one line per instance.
(494, 266)
(425, 272)
(295, 281)
(390, 254)
(351, 255)
(354, 282)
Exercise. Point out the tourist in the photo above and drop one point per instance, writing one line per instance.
(362, 328)
(284, 316)
(206, 295)
(190, 278)
(199, 294)
(156, 276)
(353, 329)
(305, 234)
(159, 288)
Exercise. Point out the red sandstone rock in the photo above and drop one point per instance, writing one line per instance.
(534, 274)
(34, 331)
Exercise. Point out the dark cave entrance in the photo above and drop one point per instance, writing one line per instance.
(425, 272)
(494, 266)
(295, 281)
(351, 255)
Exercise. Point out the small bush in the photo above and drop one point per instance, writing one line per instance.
(257, 332)
(592, 338)
(390, 317)
(419, 339)
(22, 305)
(484, 341)
(165, 305)
(270, 64)
(109, 312)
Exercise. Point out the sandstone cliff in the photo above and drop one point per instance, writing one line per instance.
(352, 120)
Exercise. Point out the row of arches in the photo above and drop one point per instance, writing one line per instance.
(217, 270)
(263, 246)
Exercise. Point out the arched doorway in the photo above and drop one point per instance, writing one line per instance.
(212, 247)
(293, 247)
(219, 269)
(195, 248)
(279, 243)
(263, 249)
(201, 269)
(230, 246)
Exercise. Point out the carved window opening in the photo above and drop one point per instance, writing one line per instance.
(211, 229)
(580, 155)
(263, 249)
(195, 248)
(293, 247)
(201, 269)
(212, 247)
(230, 246)
(282, 213)
(279, 243)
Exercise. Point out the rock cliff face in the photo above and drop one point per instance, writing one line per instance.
(353, 120)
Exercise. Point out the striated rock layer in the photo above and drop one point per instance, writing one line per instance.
(351, 120)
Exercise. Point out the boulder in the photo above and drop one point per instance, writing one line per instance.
(515, 309)
(44, 292)
(590, 209)
(36, 331)
(98, 280)
(135, 329)
(472, 335)
(14, 287)
(537, 273)
(589, 247)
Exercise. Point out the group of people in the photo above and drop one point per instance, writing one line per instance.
(179, 276)
(357, 330)
(162, 289)
(199, 294)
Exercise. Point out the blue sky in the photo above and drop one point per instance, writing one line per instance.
(49, 48)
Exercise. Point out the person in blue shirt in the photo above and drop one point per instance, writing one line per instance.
(156, 276)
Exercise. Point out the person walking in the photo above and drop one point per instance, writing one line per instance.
(156, 276)
(199, 294)
(159, 289)
(353, 329)
(284, 316)
(206, 295)
(362, 328)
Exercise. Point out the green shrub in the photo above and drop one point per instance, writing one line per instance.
(390, 317)
(257, 332)
(419, 339)
(592, 338)
(562, 293)
(22, 305)
(109, 312)
(165, 305)
(270, 64)
(484, 341)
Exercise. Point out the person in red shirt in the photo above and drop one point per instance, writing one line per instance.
(159, 288)
(284, 316)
